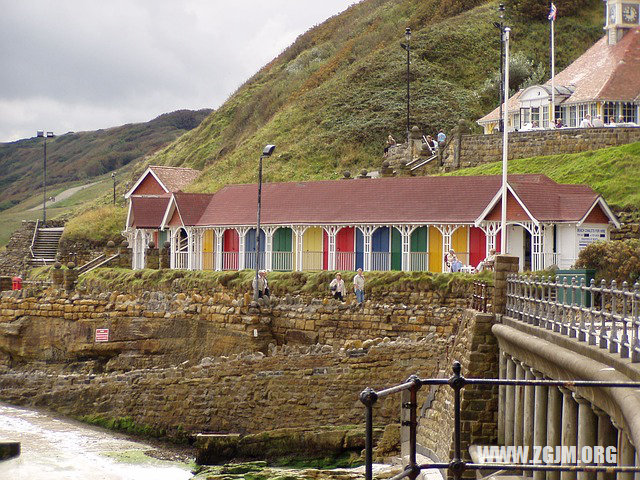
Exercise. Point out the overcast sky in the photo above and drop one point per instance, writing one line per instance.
(73, 65)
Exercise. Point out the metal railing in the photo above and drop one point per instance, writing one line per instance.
(606, 316)
(482, 298)
(457, 466)
(33, 239)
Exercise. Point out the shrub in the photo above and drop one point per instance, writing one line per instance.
(614, 260)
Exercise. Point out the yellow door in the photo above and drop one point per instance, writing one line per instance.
(312, 249)
(435, 250)
(207, 250)
(460, 244)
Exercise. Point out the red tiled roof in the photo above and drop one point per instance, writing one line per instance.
(390, 200)
(147, 212)
(191, 206)
(603, 73)
(175, 178)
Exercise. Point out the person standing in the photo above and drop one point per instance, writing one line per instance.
(390, 143)
(441, 138)
(358, 286)
(263, 288)
(337, 287)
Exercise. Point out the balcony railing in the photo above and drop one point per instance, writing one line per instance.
(345, 260)
(380, 261)
(312, 260)
(419, 261)
(282, 261)
(181, 260)
(606, 316)
(230, 260)
(250, 260)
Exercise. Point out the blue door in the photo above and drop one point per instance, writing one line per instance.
(359, 249)
(380, 249)
(250, 249)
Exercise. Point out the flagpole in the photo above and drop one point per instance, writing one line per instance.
(505, 133)
(553, 74)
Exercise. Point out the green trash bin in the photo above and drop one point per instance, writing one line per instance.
(580, 298)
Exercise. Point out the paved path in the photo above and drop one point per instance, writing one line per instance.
(64, 195)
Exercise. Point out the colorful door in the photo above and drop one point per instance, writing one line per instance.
(396, 249)
(380, 249)
(359, 249)
(436, 257)
(250, 248)
(477, 246)
(312, 250)
(418, 246)
(345, 240)
(282, 249)
(207, 250)
(230, 249)
(460, 244)
(325, 250)
(162, 237)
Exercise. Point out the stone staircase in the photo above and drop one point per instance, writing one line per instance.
(45, 245)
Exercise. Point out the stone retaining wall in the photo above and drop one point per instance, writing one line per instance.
(13, 259)
(478, 149)
(289, 387)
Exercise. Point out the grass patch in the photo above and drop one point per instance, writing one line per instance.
(124, 424)
(612, 172)
(96, 226)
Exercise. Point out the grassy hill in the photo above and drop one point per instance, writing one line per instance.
(331, 98)
(612, 172)
(84, 156)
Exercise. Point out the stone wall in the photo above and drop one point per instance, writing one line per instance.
(630, 227)
(288, 387)
(473, 150)
(13, 259)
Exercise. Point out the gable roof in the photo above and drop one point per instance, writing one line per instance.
(147, 212)
(171, 179)
(190, 207)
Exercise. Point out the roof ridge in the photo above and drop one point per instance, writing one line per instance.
(177, 168)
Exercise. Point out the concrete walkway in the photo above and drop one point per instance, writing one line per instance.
(64, 195)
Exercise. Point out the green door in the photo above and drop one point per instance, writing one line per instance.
(396, 249)
(419, 240)
(282, 247)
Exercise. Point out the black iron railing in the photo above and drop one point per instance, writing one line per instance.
(457, 466)
(482, 297)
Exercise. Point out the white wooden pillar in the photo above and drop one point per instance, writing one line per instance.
(447, 232)
(367, 233)
(537, 238)
(268, 250)
(298, 231)
(242, 246)
(173, 248)
(190, 247)
(406, 231)
(331, 256)
(217, 252)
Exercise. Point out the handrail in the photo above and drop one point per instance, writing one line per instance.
(33, 240)
(90, 263)
(104, 262)
(423, 163)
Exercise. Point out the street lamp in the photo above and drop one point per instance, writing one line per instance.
(113, 177)
(407, 47)
(500, 25)
(41, 133)
(266, 152)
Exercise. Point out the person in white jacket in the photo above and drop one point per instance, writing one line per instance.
(337, 287)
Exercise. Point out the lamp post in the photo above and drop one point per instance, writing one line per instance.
(266, 152)
(407, 47)
(41, 133)
(500, 25)
(113, 177)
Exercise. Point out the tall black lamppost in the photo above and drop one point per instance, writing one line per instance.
(113, 177)
(407, 47)
(41, 133)
(500, 26)
(266, 152)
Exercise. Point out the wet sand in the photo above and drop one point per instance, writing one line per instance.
(60, 449)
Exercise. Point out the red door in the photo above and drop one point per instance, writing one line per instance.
(477, 246)
(325, 250)
(230, 249)
(345, 242)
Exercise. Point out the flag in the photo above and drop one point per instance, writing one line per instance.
(552, 12)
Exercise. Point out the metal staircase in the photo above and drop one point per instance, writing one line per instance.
(44, 246)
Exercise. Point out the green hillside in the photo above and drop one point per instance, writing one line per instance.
(83, 156)
(330, 99)
(612, 172)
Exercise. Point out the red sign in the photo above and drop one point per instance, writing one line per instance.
(102, 334)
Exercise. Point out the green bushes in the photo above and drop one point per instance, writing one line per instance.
(97, 226)
(615, 260)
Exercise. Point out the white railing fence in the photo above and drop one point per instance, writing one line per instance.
(606, 315)
(230, 260)
(312, 260)
(419, 261)
(345, 260)
(282, 261)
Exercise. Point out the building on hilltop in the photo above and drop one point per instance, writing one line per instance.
(604, 81)
(396, 223)
(148, 200)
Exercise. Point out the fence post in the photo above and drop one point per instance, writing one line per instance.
(503, 266)
(368, 397)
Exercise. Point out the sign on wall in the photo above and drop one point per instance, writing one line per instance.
(589, 235)
(102, 334)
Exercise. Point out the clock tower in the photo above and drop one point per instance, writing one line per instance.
(621, 15)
